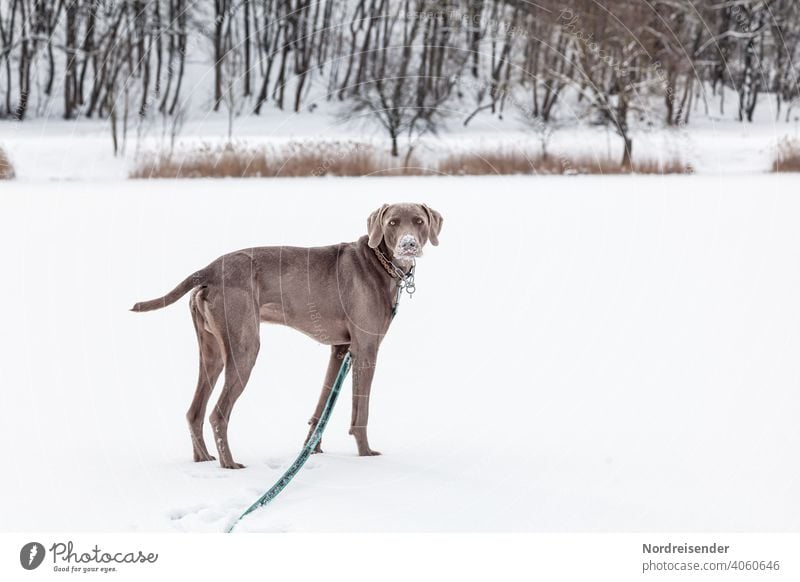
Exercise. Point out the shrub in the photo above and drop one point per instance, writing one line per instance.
(787, 157)
(6, 169)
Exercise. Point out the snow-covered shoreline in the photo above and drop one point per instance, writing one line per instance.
(52, 150)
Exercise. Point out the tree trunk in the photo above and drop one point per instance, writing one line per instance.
(247, 82)
(220, 7)
(627, 155)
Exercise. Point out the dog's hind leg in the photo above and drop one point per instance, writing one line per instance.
(238, 325)
(337, 355)
(211, 363)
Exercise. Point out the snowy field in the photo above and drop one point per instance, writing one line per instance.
(583, 354)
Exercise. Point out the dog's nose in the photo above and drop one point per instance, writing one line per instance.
(408, 243)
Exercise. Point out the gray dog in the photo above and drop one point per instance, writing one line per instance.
(341, 295)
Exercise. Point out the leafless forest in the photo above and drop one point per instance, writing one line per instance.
(404, 63)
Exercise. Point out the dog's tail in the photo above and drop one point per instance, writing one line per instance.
(194, 280)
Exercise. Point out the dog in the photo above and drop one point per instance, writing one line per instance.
(340, 295)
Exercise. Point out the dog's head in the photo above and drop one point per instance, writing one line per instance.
(404, 229)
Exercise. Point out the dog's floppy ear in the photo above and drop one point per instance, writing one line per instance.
(435, 220)
(375, 226)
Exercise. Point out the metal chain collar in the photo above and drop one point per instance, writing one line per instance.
(405, 281)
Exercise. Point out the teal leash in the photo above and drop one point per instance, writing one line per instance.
(301, 459)
(406, 282)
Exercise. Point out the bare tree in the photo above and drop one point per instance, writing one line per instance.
(408, 84)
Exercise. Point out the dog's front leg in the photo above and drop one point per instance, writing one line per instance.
(337, 355)
(363, 370)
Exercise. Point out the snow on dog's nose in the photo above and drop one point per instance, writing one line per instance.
(407, 246)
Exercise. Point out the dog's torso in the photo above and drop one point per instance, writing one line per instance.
(329, 293)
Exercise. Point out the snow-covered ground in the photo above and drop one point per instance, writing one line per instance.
(588, 353)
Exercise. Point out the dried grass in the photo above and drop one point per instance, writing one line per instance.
(504, 163)
(350, 158)
(663, 167)
(787, 158)
(6, 169)
(501, 163)
(293, 160)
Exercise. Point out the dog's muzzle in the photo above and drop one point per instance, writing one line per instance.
(407, 247)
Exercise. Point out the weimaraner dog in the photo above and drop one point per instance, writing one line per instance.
(341, 295)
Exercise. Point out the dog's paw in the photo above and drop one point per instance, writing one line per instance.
(368, 453)
(232, 465)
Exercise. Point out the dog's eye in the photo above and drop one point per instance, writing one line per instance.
(392, 223)
(419, 221)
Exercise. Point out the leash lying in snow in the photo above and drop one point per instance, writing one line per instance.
(316, 436)
(405, 281)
